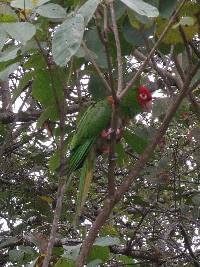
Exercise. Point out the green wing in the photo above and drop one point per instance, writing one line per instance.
(96, 118)
(84, 183)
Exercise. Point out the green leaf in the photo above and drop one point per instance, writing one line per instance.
(138, 21)
(71, 252)
(120, 9)
(43, 89)
(138, 200)
(51, 113)
(95, 45)
(36, 61)
(3, 38)
(94, 263)
(9, 241)
(196, 213)
(22, 84)
(7, 71)
(7, 18)
(21, 254)
(196, 199)
(96, 88)
(8, 54)
(27, 4)
(33, 264)
(99, 252)
(7, 14)
(87, 10)
(122, 157)
(62, 262)
(185, 21)
(57, 251)
(137, 143)
(142, 8)
(108, 229)
(106, 241)
(20, 31)
(160, 106)
(173, 36)
(135, 36)
(127, 261)
(15, 255)
(166, 8)
(67, 39)
(51, 10)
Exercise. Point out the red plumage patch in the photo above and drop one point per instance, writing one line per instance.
(145, 98)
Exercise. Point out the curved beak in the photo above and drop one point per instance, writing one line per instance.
(148, 106)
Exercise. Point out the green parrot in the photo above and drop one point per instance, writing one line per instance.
(93, 134)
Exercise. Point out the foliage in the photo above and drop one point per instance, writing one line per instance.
(58, 57)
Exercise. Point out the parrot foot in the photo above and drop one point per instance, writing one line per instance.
(106, 134)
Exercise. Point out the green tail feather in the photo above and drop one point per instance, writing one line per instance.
(85, 182)
(76, 158)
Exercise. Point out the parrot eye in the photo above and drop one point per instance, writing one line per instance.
(143, 96)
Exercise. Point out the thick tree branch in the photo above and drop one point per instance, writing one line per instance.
(124, 187)
(137, 254)
(5, 96)
(28, 116)
(60, 194)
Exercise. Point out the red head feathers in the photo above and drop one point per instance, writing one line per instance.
(145, 98)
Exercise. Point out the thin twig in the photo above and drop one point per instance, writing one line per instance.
(153, 63)
(188, 246)
(179, 68)
(60, 194)
(124, 187)
(111, 157)
(195, 49)
(189, 56)
(118, 47)
(175, 79)
(62, 180)
(104, 39)
(195, 105)
(144, 215)
(99, 72)
(141, 68)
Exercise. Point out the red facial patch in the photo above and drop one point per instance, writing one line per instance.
(144, 97)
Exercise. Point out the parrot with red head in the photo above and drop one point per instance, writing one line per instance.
(93, 132)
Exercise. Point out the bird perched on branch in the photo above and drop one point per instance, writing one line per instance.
(93, 132)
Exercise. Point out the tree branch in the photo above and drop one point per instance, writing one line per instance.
(26, 116)
(119, 55)
(141, 68)
(188, 246)
(124, 187)
(99, 72)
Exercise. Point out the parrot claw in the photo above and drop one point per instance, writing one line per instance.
(107, 133)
